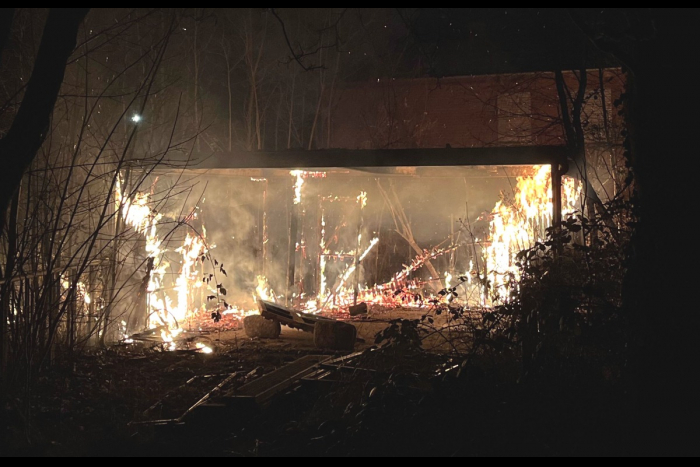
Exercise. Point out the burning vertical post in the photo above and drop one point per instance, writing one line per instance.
(322, 251)
(362, 201)
(293, 231)
(556, 200)
(263, 237)
(264, 229)
(452, 244)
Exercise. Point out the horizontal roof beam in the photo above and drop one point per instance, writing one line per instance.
(349, 158)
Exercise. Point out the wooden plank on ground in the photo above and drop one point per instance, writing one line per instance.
(264, 389)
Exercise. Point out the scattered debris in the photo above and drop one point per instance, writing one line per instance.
(361, 309)
(290, 318)
(150, 335)
(207, 396)
(261, 391)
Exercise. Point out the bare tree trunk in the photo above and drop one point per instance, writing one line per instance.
(251, 104)
(604, 104)
(26, 135)
(6, 289)
(657, 110)
(258, 136)
(606, 128)
(196, 83)
(6, 17)
(278, 116)
(249, 119)
(114, 260)
(575, 139)
(322, 86)
(318, 111)
(253, 56)
(230, 98)
(291, 113)
(329, 122)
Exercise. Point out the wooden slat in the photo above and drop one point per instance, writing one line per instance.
(265, 388)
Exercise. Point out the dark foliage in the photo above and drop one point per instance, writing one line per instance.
(565, 309)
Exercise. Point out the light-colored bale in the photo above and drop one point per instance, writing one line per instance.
(257, 326)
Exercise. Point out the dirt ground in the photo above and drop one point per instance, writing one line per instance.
(104, 403)
(96, 404)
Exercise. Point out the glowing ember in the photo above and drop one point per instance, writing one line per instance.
(205, 349)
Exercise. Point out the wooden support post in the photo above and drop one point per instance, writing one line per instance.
(264, 229)
(4, 330)
(321, 243)
(453, 251)
(358, 252)
(301, 266)
(556, 195)
(556, 201)
(293, 231)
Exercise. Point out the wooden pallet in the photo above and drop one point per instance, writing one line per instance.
(289, 317)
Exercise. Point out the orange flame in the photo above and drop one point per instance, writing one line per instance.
(518, 223)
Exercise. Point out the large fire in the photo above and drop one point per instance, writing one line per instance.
(517, 221)
(165, 312)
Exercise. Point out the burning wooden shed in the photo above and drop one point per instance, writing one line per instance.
(321, 231)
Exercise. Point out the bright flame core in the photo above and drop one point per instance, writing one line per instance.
(263, 290)
(299, 174)
(162, 312)
(518, 223)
